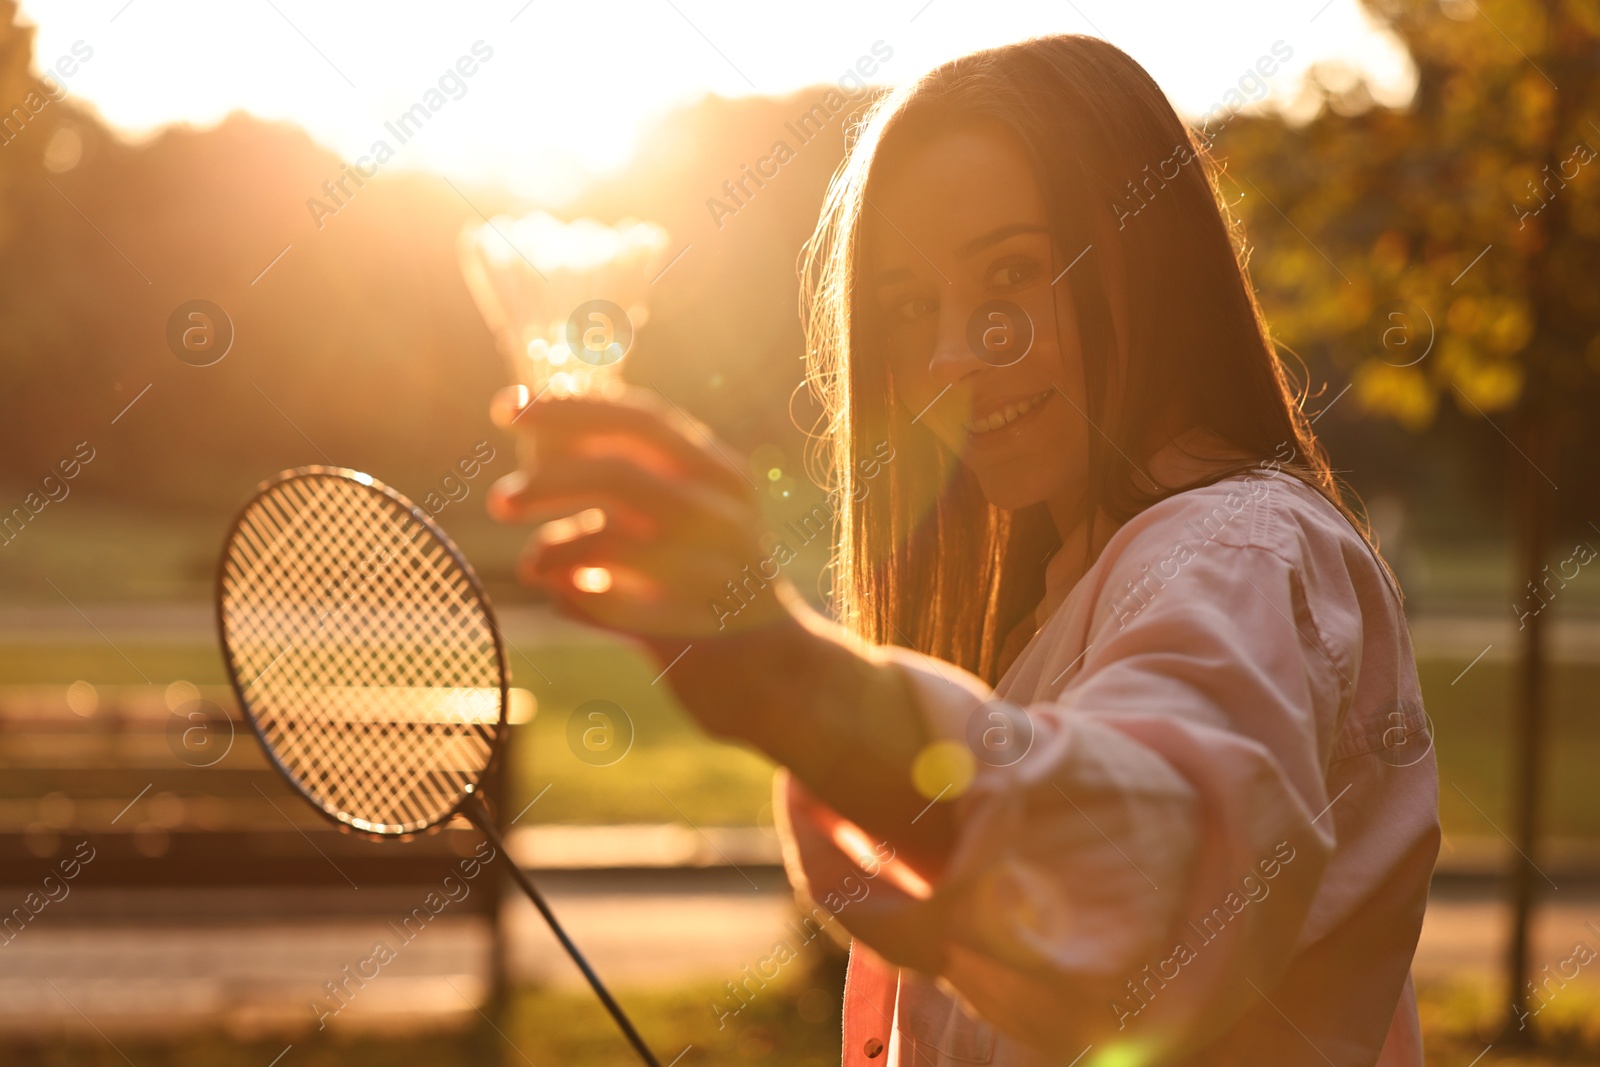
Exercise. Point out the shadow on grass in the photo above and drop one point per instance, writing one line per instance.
(793, 1022)
(1464, 1017)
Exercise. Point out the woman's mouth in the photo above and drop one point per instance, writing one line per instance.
(999, 420)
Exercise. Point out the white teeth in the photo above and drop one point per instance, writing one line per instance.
(1005, 416)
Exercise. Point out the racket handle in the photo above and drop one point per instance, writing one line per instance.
(475, 811)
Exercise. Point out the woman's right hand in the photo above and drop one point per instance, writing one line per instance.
(754, 663)
(681, 520)
(683, 556)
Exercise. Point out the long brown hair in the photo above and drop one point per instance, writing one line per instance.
(923, 558)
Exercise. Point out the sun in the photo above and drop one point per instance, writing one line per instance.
(559, 94)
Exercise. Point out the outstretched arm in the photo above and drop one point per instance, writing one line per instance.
(682, 522)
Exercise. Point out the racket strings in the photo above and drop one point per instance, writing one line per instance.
(384, 662)
(363, 652)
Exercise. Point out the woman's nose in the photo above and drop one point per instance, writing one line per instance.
(995, 333)
(954, 355)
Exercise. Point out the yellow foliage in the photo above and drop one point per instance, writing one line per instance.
(1535, 99)
(1400, 393)
(1491, 386)
(1509, 328)
(1352, 304)
(1389, 253)
(1502, 325)
(1439, 208)
(1463, 316)
(1584, 217)
(1586, 14)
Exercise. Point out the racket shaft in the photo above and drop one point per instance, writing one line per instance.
(481, 819)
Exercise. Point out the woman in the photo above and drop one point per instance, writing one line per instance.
(1116, 750)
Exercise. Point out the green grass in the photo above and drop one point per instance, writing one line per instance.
(1472, 722)
(1462, 1016)
(793, 1023)
(130, 663)
(672, 772)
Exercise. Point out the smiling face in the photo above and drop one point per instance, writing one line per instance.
(959, 270)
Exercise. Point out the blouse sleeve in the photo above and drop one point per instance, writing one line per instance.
(1157, 849)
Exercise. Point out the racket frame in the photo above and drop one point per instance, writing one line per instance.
(474, 793)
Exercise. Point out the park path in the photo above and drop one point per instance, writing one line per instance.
(1433, 636)
(640, 928)
(653, 924)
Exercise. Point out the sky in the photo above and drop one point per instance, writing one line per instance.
(561, 91)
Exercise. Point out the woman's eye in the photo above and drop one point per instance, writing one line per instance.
(914, 308)
(1012, 272)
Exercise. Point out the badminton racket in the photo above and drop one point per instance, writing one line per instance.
(366, 657)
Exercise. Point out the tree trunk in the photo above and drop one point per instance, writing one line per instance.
(1536, 512)
(1563, 331)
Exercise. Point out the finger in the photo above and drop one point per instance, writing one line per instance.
(649, 591)
(565, 424)
(506, 406)
(669, 570)
(508, 502)
(619, 485)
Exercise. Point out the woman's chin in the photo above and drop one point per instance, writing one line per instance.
(1012, 489)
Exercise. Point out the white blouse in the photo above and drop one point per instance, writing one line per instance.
(1216, 848)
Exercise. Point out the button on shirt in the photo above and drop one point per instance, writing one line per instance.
(1217, 847)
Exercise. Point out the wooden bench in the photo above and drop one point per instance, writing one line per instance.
(165, 797)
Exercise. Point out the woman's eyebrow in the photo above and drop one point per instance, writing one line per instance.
(977, 244)
(998, 234)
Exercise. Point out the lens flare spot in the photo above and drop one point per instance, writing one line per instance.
(591, 579)
(1126, 1054)
(180, 693)
(942, 771)
(82, 698)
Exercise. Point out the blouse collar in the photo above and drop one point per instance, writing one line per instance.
(1178, 462)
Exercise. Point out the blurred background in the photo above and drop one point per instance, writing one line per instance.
(1416, 181)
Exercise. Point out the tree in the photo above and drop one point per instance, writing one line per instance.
(19, 89)
(1448, 253)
